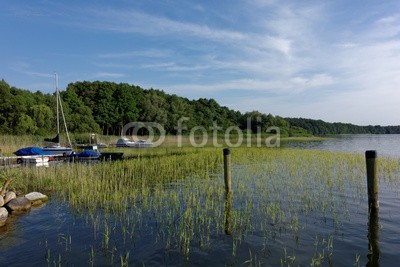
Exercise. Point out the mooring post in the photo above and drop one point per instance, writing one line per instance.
(228, 190)
(374, 252)
(227, 170)
(228, 213)
(372, 179)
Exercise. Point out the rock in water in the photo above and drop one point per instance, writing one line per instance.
(19, 204)
(3, 216)
(9, 195)
(1, 201)
(36, 198)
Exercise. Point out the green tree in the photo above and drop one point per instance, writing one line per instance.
(25, 125)
(155, 108)
(43, 116)
(78, 116)
(126, 105)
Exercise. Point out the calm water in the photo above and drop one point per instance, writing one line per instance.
(387, 145)
(56, 234)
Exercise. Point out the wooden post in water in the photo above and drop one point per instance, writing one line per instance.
(228, 190)
(374, 252)
(372, 179)
(227, 170)
(228, 213)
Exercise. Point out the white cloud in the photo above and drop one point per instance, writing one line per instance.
(347, 45)
(282, 45)
(150, 53)
(318, 80)
(292, 86)
(173, 67)
(108, 75)
(132, 21)
(387, 27)
(26, 69)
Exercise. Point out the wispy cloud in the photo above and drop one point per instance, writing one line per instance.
(131, 21)
(150, 53)
(26, 69)
(294, 85)
(386, 27)
(108, 75)
(173, 67)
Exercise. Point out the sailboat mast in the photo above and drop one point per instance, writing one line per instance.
(59, 105)
(57, 97)
(65, 123)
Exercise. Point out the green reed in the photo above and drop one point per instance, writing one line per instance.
(176, 195)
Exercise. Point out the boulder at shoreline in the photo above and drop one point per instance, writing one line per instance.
(19, 204)
(9, 195)
(36, 198)
(3, 216)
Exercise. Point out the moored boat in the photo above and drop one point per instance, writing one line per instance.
(33, 159)
(56, 149)
(125, 142)
(33, 155)
(86, 155)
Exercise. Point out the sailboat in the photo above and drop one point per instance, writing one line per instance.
(57, 149)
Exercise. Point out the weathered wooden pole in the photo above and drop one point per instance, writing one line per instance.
(228, 213)
(227, 170)
(374, 252)
(228, 190)
(372, 179)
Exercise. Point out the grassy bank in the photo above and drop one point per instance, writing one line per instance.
(11, 143)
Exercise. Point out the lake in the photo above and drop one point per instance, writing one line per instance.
(289, 207)
(386, 145)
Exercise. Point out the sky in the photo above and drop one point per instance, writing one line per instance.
(338, 61)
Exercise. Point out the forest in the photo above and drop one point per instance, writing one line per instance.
(105, 107)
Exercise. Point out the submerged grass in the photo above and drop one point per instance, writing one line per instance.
(283, 200)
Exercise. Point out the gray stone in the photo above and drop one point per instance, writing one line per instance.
(19, 204)
(9, 195)
(36, 198)
(1, 201)
(3, 216)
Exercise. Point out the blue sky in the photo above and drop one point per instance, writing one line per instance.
(331, 60)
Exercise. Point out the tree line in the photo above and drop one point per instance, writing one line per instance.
(105, 107)
(320, 128)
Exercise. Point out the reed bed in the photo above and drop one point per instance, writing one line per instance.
(288, 207)
(11, 143)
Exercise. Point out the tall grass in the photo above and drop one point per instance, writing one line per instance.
(176, 195)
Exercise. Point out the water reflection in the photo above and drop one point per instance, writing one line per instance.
(373, 238)
(385, 144)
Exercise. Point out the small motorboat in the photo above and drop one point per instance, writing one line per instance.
(86, 155)
(33, 155)
(33, 159)
(125, 142)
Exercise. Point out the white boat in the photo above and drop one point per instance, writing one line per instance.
(125, 142)
(57, 149)
(143, 143)
(33, 159)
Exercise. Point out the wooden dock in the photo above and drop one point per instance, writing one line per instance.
(9, 162)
